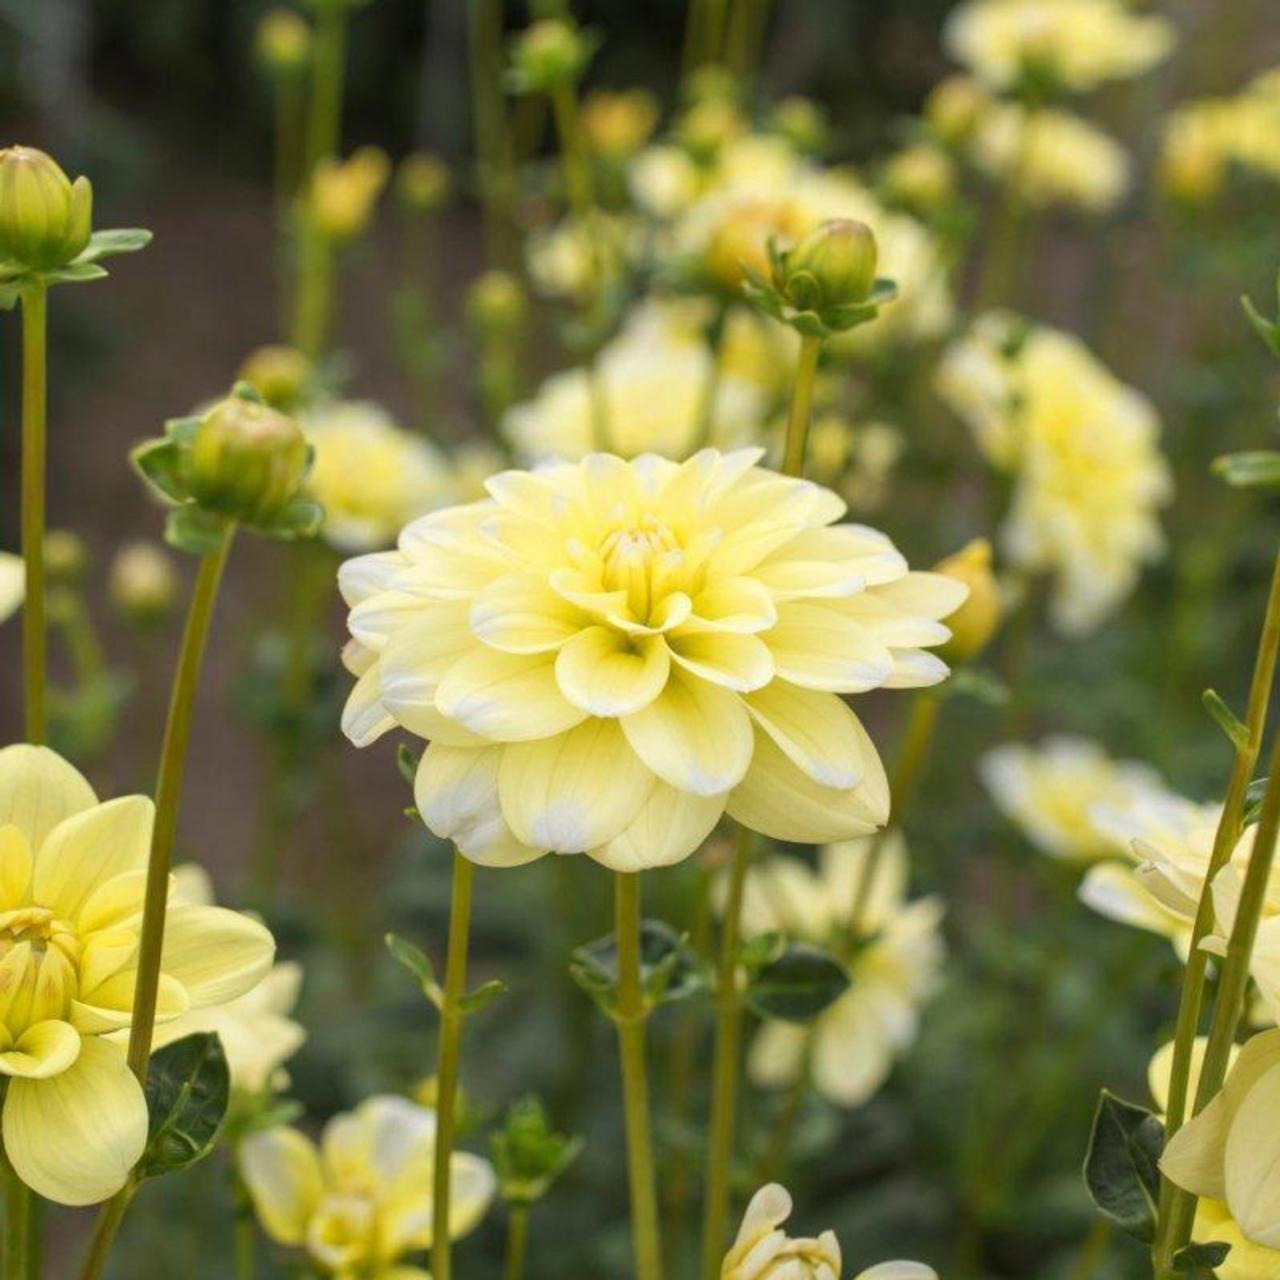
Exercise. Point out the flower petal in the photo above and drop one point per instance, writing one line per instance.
(520, 613)
(43, 1049)
(364, 718)
(819, 647)
(15, 866)
(1252, 1161)
(38, 789)
(819, 733)
(667, 828)
(606, 673)
(214, 953)
(506, 697)
(281, 1169)
(739, 662)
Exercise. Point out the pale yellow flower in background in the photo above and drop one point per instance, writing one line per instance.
(573, 259)
(371, 476)
(72, 873)
(608, 656)
(762, 1249)
(851, 1047)
(652, 387)
(1053, 157)
(13, 584)
(258, 1036)
(857, 459)
(1076, 44)
(1089, 477)
(664, 180)
(344, 193)
(361, 1202)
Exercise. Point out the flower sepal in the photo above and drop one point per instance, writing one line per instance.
(670, 969)
(528, 1155)
(15, 277)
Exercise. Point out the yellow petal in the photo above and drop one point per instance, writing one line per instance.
(520, 613)
(740, 605)
(695, 736)
(15, 866)
(104, 955)
(575, 791)
(74, 1137)
(109, 1005)
(214, 953)
(364, 718)
(607, 673)
(819, 733)
(1252, 1160)
(817, 646)
(38, 789)
(506, 697)
(779, 800)
(740, 662)
(853, 1050)
(668, 827)
(88, 849)
(777, 1054)
(281, 1170)
(43, 1049)
(114, 903)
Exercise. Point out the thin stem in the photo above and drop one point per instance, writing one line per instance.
(173, 760)
(34, 387)
(1228, 1005)
(517, 1241)
(105, 1229)
(245, 1230)
(1225, 839)
(455, 981)
(724, 1071)
(17, 1219)
(704, 425)
(329, 44)
(35, 1237)
(489, 121)
(313, 299)
(801, 407)
(630, 1015)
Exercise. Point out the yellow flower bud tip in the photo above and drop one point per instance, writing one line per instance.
(143, 583)
(283, 41)
(954, 108)
(247, 460)
(344, 192)
(549, 54)
(422, 182)
(65, 556)
(278, 374)
(497, 305)
(922, 176)
(833, 266)
(618, 124)
(977, 619)
(802, 123)
(45, 218)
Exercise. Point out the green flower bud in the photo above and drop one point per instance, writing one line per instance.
(802, 123)
(247, 461)
(422, 182)
(283, 42)
(707, 126)
(497, 305)
(45, 219)
(143, 583)
(66, 559)
(278, 374)
(550, 54)
(833, 266)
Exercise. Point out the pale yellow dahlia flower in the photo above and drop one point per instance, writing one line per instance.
(360, 1203)
(607, 656)
(1077, 44)
(371, 476)
(1052, 157)
(72, 873)
(663, 180)
(573, 259)
(1083, 448)
(852, 1046)
(13, 584)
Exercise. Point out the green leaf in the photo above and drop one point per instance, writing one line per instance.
(417, 963)
(191, 528)
(1199, 1258)
(483, 996)
(797, 986)
(978, 683)
(107, 244)
(669, 969)
(1121, 1169)
(407, 763)
(1251, 469)
(74, 273)
(758, 951)
(188, 1087)
(159, 463)
(1225, 719)
(1266, 329)
(1253, 801)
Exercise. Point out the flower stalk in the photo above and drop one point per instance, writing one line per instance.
(801, 406)
(517, 1242)
(34, 400)
(17, 1218)
(451, 1018)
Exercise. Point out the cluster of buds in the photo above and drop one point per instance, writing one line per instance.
(240, 463)
(826, 284)
(344, 192)
(422, 183)
(550, 55)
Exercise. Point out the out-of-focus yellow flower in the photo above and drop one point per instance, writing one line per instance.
(66, 558)
(282, 42)
(975, 622)
(258, 1036)
(663, 180)
(279, 374)
(361, 1201)
(573, 259)
(1066, 795)
(143, 583)
(921, 176)
(344, 192)
(651, 391)
(764, 1251)
(422, 182)
(617, 123)
(1053, 158)
(371, 476)
(71, 886)
(1074, 45)
(13, 584)
(1083, 449)
(954, 107)
(1228, 1153)
(708, 127)
(607, 656)
(802, 123)
(470, 466)
(851, 1047)
(497, 306)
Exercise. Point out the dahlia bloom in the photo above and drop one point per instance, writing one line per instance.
(72, 874)
(852, 1045)
(361, 1201)
(608, 656)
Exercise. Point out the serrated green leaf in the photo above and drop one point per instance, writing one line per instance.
(191, 528)
(1225, 718)
(188, 1088)
(1121, 1170)
(1197, 1259)
(1250, 469)
(797, 986)
(483, 996)
(159, 463)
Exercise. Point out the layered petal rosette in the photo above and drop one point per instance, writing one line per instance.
(72, 875)
(607, 656)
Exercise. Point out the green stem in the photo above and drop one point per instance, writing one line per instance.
(517, 1241)
(451, 1015)
(630, 1015)
(489, 117)
(17, 1223)
(801, 407)
(245, 1230)
(34, 388)
(105, 1229)
(724, 1071)
(704, 425)
(1228, 1005)
(329, 44)
(314, 296)
(1225, 839)
(173, 759)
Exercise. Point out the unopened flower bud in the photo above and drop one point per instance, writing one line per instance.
(497, 305)
(344, 192)
(45, 218)
(65, 558)
(833, 266)
(278, 374)
(549, 55)
(143, 583)
(954, 108)
(707, 126)
(247, 460)
(422, 182)
(976, 621)
(802, 123)
(617, 125)
(282, 42)
(921, 176)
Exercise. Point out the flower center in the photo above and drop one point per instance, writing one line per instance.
(342, 1233)
(39, 967)
(639, 560)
